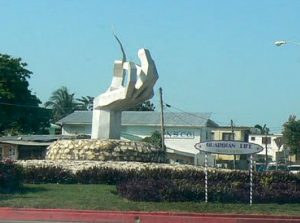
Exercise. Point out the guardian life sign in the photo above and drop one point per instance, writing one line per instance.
(229, 147)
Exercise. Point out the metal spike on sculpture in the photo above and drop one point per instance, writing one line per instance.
(138, 88)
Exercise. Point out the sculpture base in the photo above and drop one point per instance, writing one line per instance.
(104, 150)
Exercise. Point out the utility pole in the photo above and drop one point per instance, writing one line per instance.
(265, 131)
(266, 145)
(162, 122)
(232, 132)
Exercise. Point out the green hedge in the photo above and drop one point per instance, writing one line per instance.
(11, 176)
(48, 174)
(222, 187)
(178, 185)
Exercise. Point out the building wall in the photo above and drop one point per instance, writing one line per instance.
(177, 138)
(239, 135)
(177, 158)
(31, 152)
(272, 146)
(77, 129)
(9, 151)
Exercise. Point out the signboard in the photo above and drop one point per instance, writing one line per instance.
(229, 147)
(179, 134)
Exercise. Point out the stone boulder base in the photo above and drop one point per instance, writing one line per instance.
(103, 150)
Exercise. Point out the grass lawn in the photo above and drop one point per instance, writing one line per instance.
(104, 197)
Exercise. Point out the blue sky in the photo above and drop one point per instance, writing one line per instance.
(212, 55)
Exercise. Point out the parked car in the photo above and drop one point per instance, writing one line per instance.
(295, 169)
(276, 167)
(260, 167)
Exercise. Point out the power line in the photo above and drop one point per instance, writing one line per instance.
(179, 117)
(167, 105)
(195, 115)
(189, 113)
(218, 122)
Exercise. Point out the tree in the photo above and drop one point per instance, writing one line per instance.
(291, 135)
(19, 108)
(156, 140)
(85, 103)
(62, 103)
(145, 106)
(262, 129)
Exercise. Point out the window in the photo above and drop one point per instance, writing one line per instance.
(252, 138)
(227, 136)
(266, 140)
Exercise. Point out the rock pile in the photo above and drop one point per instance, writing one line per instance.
(103, 150)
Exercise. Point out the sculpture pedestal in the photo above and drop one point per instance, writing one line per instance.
(106, 124)
(104, 150)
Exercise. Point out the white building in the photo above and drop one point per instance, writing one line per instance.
(274, 149)
(182, 130)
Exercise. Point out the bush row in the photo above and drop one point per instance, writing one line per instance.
(106, 175)
(11, 176)
(163, 184)
(183, 190)
(103, 175)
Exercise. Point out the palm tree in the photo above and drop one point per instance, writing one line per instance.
(85, 103)
(62, 103)
(262, 129)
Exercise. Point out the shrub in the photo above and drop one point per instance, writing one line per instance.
(104, 175)
(179, 190)
(165, 185)
(10, 176)
(143, 190)
(48, 174)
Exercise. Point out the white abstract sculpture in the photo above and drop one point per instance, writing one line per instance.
(132, 84)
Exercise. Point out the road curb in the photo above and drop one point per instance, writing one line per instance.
(67, 215)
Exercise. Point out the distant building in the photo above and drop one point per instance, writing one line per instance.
(226, 133)
(238, 134)
(182, 130)
(275, 149)
(25, 147)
